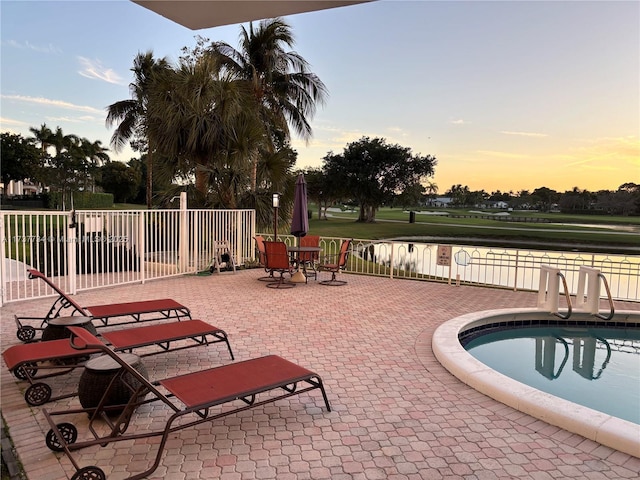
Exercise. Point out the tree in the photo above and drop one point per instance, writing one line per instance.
(460, 196)
(131, 114)
(121, 180)
(544, 198)
(96, 155)
(67, 169)
(411, 196)
(624, 201)
(321, 189)
(431, 189)
(20, 158)
(373, 172)
(42, 135)
(204, 122)
(283, 89)
(576, 201)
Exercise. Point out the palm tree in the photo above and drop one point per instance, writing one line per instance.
(432, 190)
(96, 155)
(42, 135)
(284, 91)
(131, 114)
(205, 121)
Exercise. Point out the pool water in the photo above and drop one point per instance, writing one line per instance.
(595, 367)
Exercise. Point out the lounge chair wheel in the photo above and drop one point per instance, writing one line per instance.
(89, 473)
(69, 434)
(25, 371)
(26, 333)
(38, 394)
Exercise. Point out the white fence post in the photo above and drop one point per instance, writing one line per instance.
(183, 245)
(70, 245)
(2, 265)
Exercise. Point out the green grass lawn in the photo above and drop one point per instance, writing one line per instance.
(573, 231)
(563, 231)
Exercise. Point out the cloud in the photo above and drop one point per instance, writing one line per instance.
(459, 121)
(5, 122)
(397, 131)
(36, 48)
(496, 154)
(599, 153)
(52, 103)
(93, 69)
(524, 134)
(82, 119)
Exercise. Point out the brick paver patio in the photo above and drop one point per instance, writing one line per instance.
(397, 413)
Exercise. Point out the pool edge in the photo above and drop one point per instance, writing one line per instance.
(605, 429)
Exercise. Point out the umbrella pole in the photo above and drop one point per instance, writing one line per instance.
(298, 277)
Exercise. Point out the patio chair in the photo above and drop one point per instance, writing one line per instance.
(58, 357)
(309, 259)
(277, 261)
(189, 401)
(64, 305)
(334, 264)
(262, 259)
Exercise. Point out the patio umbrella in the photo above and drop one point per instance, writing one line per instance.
(300, 220)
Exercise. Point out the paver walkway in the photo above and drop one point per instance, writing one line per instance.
(397, 413)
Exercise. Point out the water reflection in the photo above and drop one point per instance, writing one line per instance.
(545, 358)
(512, 268)
(604, 363)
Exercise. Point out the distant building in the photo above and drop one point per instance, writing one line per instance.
(440, 202)
(26, 187)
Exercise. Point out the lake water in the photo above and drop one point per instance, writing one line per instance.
(514, 268)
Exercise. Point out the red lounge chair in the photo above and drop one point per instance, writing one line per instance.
(135, 311)
(190, 400)
(58, 357)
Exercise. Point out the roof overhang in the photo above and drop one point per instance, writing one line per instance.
(197, 14)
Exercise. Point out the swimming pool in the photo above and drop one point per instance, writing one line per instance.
(592, 366)
(602, 427)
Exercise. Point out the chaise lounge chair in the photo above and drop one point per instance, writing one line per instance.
(141, 311)
(58, 357)
(190, 401)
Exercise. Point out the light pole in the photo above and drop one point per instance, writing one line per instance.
(276, 204)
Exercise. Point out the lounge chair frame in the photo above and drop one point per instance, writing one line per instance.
(58, 357)
(131, 312)
(183, 398)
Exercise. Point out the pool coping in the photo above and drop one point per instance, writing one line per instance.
(603, 428)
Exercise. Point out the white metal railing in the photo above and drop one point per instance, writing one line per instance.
(94, 248)
(516, 269)
(120, 247)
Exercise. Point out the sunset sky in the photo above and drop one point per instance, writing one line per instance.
(506, 95)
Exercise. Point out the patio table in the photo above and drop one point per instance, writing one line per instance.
(300, 277)
(56, 328)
